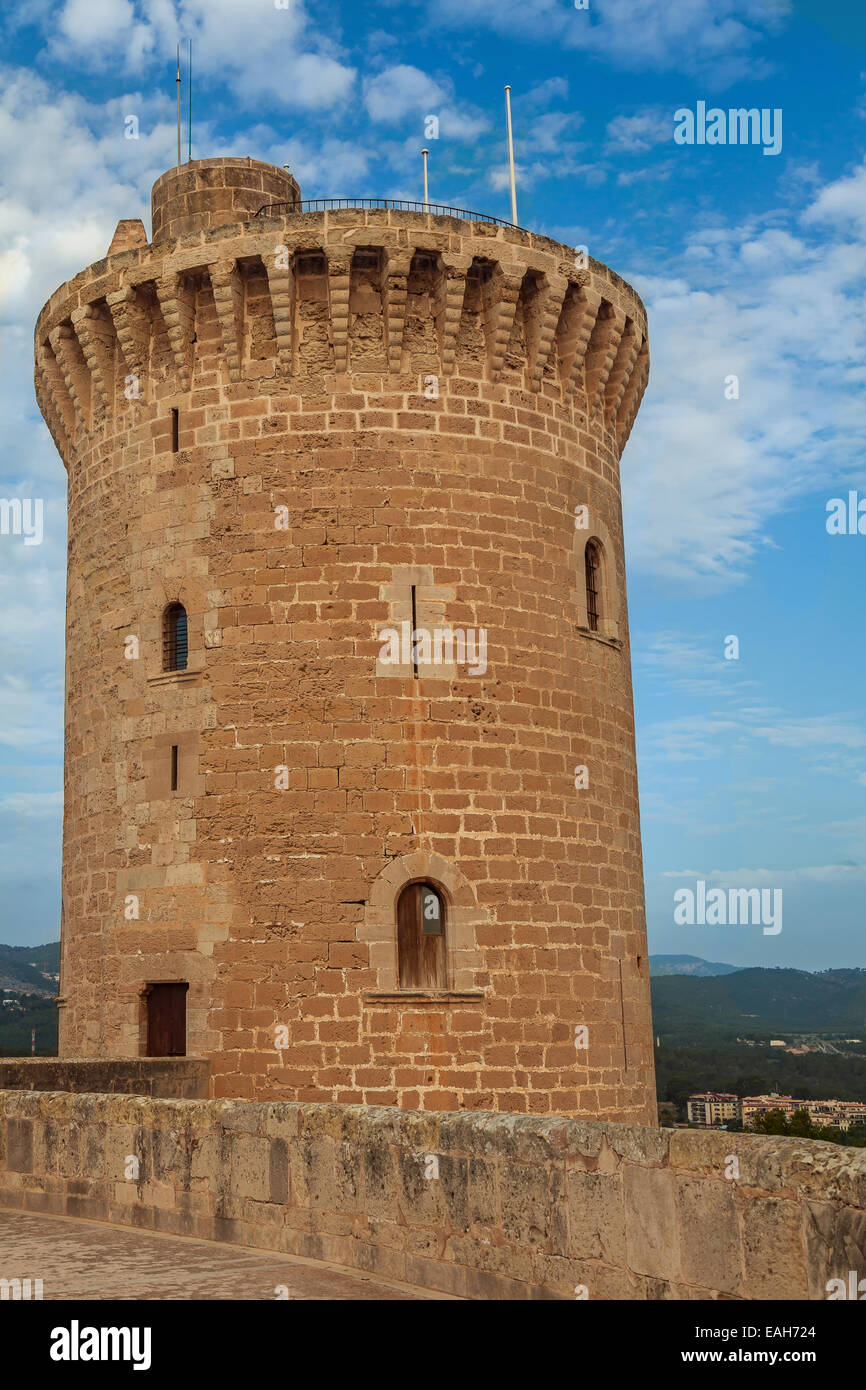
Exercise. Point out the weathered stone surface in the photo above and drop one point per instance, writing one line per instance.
(708, 1239)
(278, 1172)
(835, 1241)
(650, 1221)
(483, 1197)
(19, 1146)
(353, 1186)
(596, 1217)
(250, 1167)
(525, 1205)
(774, 1249)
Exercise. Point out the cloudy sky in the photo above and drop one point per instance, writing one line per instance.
(752, 265)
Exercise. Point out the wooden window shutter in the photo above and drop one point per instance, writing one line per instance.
(421, 938)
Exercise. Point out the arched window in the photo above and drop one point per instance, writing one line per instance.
(175, 643)
(592, 557)
(421, 938)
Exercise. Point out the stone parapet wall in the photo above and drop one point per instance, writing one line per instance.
(183, 1078)
(485, 1206)
(297, 298)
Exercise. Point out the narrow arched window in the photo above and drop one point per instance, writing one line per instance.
(175, 642)
(592, 556)
(421, 937)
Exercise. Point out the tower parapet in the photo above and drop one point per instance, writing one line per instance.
(485, 293)
(304, 429)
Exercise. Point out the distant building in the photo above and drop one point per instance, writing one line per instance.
(835, 1114)
(713, 1108)
(838, 1114)
(778, 1042)
(754, 1106)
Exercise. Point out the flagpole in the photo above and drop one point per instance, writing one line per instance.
(189, 122)
(177, 80)
(511, 156)
(425, 154)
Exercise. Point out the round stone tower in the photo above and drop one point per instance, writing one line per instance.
(351, 800)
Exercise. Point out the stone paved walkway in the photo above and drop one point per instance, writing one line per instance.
(88, 1260)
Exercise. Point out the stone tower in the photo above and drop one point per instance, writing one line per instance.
(365, 866)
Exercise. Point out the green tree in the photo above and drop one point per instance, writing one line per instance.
(801, 1125)
(773, 1122)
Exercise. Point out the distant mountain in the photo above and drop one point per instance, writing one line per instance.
(758, 1003)
(688, 965)
(30, 968)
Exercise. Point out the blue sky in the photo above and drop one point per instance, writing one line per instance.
(752, 771)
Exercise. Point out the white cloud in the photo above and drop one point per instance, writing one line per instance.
(655, 173)
(716, 37)
(637, 133)
(689, 738)
(32, 805)
(259, 50)
(758, 878)
(401, 91)
(526, 175)
(690, 666)
(549, 133)
(819, 731)
(539, 96)
(826, 743)
(405, 95)
(88, 22)
(31, 716)
(324, 168)
(841, 205)
(704, 476)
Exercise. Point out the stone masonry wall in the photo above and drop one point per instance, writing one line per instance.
(182, 1077)
(213, 192)
(485, 1206)
(367, 401)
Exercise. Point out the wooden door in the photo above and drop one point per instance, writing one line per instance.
(166, 1020)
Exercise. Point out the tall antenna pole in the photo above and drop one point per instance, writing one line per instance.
(177, 80)
(425, 154)
(189, 122)
(511, 156)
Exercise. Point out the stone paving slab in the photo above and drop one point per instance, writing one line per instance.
(87, 1260)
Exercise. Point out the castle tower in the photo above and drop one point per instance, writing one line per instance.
(339, 862)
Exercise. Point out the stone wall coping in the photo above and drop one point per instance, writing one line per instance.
(102, 1076)
(776, 1163)
(103, 1062)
